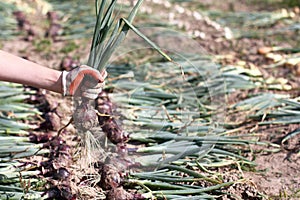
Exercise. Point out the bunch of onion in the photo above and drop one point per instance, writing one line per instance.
(108, 35)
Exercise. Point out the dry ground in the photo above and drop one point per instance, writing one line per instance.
(277, 174)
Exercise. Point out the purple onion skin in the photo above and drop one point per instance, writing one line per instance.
(113, 131)
(108, 123)
(119, 194)
(61, 193)
(85, 117)
(110, 177)
(21, 19)
(61, 174)
(39, 138)
(68, 63)
(52, 16)
(52, 122)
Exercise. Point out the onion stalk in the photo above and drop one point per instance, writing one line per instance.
(108, 35)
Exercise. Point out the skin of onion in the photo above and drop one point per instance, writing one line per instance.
(85, 117)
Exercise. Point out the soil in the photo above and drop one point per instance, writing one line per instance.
(276, 175)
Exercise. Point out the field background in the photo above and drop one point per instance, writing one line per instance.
(250, 123)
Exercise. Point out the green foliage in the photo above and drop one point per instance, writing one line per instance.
(16, 179)
(42, 45)
(69, 47)
(291, 3)
(8, 24)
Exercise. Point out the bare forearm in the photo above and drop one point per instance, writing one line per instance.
(18, 70)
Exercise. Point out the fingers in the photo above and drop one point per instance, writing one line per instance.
(91, 93)
(87, 86)
(75, 84)
(94, 73)
(85, 81)
(90, 82)
(104, 74)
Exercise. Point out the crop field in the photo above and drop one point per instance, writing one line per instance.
(201, 100)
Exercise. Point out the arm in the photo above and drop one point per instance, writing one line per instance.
(18, 70)
(81, 81)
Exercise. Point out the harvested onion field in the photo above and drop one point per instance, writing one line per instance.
(201, 101)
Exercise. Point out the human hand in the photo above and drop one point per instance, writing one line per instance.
(83, 81)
